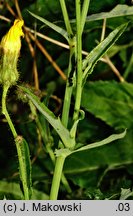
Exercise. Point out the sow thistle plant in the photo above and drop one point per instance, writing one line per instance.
(78, 70)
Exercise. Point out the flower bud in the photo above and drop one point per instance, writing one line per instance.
(9, 52)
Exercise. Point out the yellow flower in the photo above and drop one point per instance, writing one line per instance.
(11, 41)
(9, 52)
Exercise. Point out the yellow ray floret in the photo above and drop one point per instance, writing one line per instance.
(11, 41)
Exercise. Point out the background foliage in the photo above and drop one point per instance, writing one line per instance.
(95, 174)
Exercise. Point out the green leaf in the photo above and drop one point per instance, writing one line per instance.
(51, 118)
(85, 167)
(42, 8)
(102, 142)
(82, 115)
(117, 48)
(66, 152)
(93, 57)
(111, 102)
(14, 189)
(52, 26)
(126, 193)
(106, 141)
(39, 195)
(24, 166)
(11, 188)
(118, 11)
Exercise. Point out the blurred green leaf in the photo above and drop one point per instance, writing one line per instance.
(11, 188)
(117, 48)
(44, 8)
(110, 101)
(14, 189)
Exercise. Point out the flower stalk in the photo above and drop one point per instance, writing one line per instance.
(9, 49)
(5, 112)
(79, 72)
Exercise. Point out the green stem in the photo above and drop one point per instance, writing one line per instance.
(84, 13)
(19, 151)
(69, 89)
(5, 112)
(103, 29)
(129, 67)
(57, 177)
(79, 63)
(66, 17)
